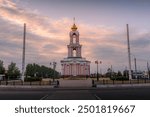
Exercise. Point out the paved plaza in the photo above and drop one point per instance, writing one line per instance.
(75, 83)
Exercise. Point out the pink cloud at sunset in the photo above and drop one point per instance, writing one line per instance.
(47, 38)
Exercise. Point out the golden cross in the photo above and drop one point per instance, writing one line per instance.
(74, 20)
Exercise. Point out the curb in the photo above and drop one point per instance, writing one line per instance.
(123, 85)
(29, 87)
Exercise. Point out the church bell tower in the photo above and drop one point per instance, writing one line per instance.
(74, 48)
(75, 65)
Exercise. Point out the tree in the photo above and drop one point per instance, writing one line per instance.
(119, 73)
(30, 70)
(126, 73)
(13, 71)
(109, 73)
(35, 70)
(2, 69)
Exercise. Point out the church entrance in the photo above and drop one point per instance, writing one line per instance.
(74, 71)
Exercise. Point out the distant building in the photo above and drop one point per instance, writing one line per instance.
(74, 65)
(2, 77)
(138, 74)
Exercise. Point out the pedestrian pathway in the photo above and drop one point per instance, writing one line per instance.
(75, 83)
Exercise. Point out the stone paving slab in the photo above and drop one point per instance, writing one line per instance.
(75, 83)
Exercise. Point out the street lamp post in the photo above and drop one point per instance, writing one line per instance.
(97, 62)
(135, 68)
(54, 67)
(135, 65)
(23, 54)
(148, 70)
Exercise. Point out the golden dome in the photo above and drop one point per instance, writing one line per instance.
(74, 27)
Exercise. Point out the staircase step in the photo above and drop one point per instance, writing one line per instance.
(75, 83)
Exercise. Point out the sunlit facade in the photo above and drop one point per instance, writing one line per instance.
(74, 65)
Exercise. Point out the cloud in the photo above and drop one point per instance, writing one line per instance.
(47, 38)
(142, 42)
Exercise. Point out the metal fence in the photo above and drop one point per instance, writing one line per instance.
(115, 82)
(30, 83)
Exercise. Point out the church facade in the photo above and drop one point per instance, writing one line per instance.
(75, 65)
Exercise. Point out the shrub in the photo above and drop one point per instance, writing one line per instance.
(29, 79)
(119, 78)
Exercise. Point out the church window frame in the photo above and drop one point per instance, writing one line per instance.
(74, 38)
(74, 52)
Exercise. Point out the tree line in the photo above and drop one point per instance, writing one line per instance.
(113, 75)
(32, 71)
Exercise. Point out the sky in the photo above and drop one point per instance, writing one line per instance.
(101, 24)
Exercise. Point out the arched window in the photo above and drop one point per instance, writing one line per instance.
(74, 53)
(74, 38)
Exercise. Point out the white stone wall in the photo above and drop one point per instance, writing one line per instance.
(75, 69)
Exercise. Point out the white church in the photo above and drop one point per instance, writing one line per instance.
(74, 65)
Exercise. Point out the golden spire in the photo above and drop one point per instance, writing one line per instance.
(74, 27)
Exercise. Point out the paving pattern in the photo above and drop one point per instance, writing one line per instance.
(75, 83)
